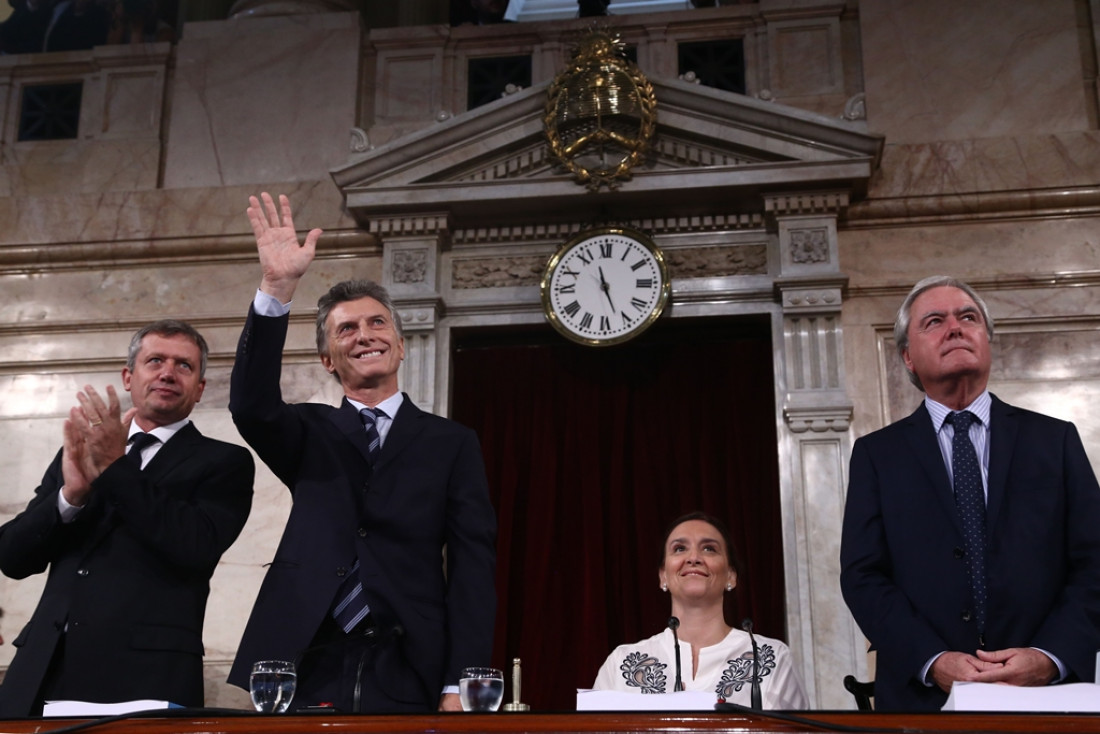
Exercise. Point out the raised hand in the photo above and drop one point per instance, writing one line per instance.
(283, 259)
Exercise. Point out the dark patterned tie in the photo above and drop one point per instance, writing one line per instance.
(970, 500)
(137, 443)
(351, 606)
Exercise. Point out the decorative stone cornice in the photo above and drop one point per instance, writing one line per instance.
(806, 202)
(565, 230)
(818, 420)
(414, 225)
(815, 294)
(419, 314)
(971, 206)
(67, 256)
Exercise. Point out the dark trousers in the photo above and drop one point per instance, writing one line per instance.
(342, 670)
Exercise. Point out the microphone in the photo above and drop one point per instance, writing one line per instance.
(746, 625)
(673, 623)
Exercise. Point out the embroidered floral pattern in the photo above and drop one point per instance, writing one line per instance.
(641, 670)
(739, 671)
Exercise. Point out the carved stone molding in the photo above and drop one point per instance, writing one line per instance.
(717, 261)
(818, 420)
(563, 231)
(418, 315)
(497, 272)
(811, 300)
(410, 265)
(809, 246)
(814, 202)
(420, 224)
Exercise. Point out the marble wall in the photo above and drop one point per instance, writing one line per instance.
(990, 171)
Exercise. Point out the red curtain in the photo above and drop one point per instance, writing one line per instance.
(590, 452)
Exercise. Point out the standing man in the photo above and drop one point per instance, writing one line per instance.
(970, 549)
(131, 519)
(358, 592)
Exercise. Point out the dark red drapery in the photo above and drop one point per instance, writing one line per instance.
(590, 452)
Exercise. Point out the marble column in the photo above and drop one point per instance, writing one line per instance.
(410, 272)
(815, 440)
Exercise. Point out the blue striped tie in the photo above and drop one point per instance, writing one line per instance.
(970, 501)
(370, 417)
(352, 606)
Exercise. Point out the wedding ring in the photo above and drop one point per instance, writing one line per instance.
(95, 423)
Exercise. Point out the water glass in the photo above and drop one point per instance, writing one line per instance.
(272, 685)
(481, 689)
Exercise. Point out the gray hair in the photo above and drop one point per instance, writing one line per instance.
(168, 327)
(901, 322)
(352, 290)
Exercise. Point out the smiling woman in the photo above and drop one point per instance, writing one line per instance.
(697, 569)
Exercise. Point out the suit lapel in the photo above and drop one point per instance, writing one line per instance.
(1003, 427)
(921, 436)
(406, 426)
(180, 448)
(346, 419)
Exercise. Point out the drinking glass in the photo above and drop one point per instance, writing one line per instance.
(272, 685)
(481, 689)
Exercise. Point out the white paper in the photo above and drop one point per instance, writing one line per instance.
(1065, 698)
(588, 700)
(72, 709)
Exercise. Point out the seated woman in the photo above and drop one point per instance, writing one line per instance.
(697, 569)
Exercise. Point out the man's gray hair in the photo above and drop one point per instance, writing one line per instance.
(168, 327)
(352, 290)
(903, 319)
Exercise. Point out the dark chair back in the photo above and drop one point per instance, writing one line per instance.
(862, 691)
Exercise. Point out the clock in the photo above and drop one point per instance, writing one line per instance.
(605, 286)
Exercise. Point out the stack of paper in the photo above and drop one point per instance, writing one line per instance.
(620, 701)
(79, 709)
(1066, 698)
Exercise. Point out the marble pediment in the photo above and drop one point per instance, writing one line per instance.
(713, 150)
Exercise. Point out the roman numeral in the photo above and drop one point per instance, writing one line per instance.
(637, 303)
(586, 320)
(571, 288)
(605, 249)
(585, 256)
(626, 319)
(605, 323)
(639, 264)
(643, 283)
(567, 271)
(572, 308)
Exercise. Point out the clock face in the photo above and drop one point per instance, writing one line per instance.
(605, 286)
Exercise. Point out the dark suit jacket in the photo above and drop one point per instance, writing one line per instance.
(428, 490)
(129, 576)
(903, 571)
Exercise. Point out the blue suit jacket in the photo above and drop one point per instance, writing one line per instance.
(903, 571)
(428, 490)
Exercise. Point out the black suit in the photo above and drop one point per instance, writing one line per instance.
(129, 577)
(427, 490)
(904, 575)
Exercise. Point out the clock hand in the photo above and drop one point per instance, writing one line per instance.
(606, 289)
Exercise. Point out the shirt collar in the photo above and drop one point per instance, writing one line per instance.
(939, 412)
(389, 406)
(163, 433)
